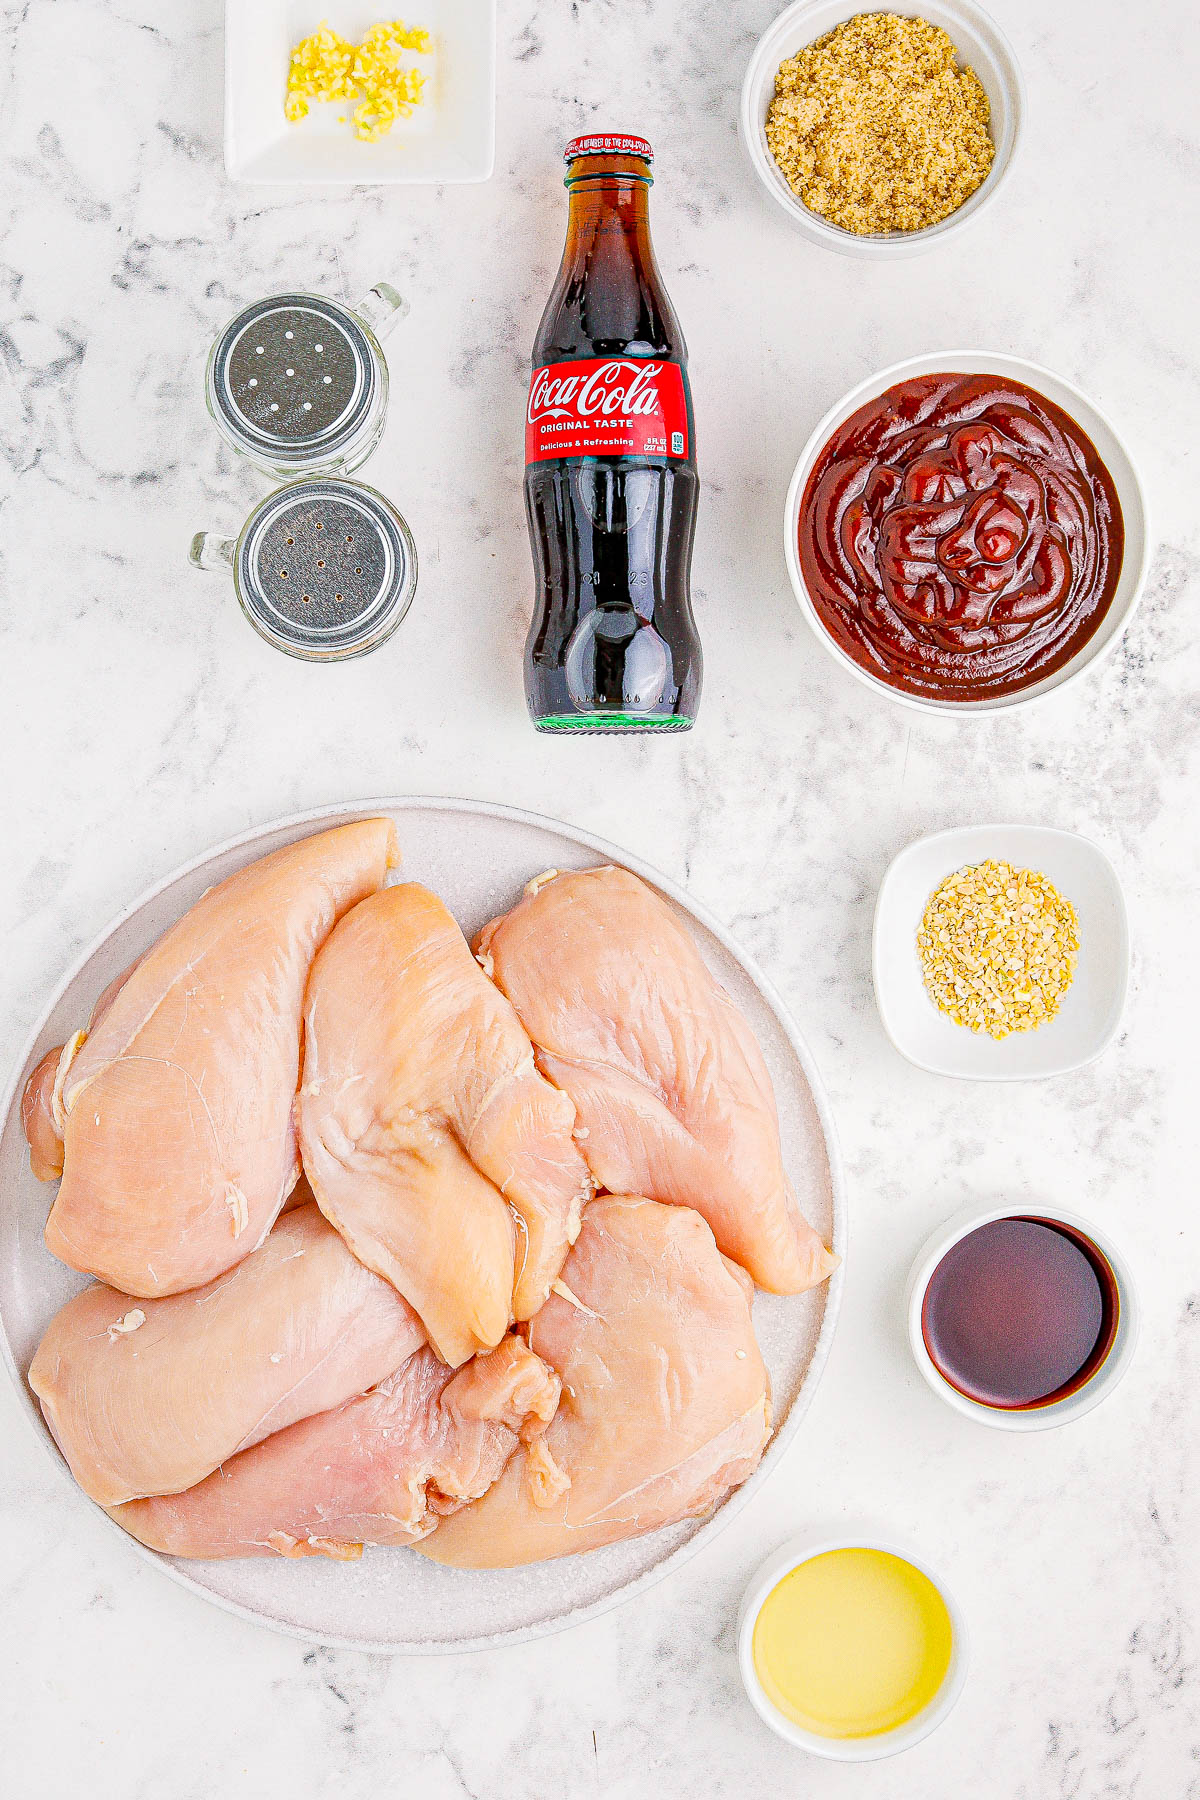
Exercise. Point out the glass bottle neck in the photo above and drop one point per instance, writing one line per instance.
(608, 201)
(608, 298)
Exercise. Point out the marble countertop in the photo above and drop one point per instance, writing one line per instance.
(142, 720)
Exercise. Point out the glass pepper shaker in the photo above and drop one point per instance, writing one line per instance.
(324, 568)
(298, 383)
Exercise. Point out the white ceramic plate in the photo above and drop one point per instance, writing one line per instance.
(478, 858)
(1113, 451)
(981, 46)
(450, 136)
(1087, 1020)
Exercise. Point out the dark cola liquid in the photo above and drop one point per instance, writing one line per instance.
(613, 645)
(613, 633)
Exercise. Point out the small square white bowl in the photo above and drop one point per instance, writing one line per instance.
(450, 136)
(1090, 1013)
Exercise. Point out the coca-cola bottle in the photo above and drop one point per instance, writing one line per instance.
(610, 469)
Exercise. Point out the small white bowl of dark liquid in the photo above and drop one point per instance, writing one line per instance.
(1021, 1318)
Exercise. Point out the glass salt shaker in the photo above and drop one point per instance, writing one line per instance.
(298, 383)
(324, 568)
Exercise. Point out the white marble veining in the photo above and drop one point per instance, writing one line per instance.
(142, 720)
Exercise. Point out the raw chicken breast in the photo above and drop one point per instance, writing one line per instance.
(665, 1404)
(672, 1094)
(301, 1195)
(42, 1131)
(150, 1398)
(430, 1140)
(41, 1103)
(175, 1109)
(382, 1469)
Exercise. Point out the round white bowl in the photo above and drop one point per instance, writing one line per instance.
(1060, 1412)
(1090, 1012)
(885, 1743)
(1108, 443)
(981, 46)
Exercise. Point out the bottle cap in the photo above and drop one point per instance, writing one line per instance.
(295, 380)
(608, 144)
(325, 568)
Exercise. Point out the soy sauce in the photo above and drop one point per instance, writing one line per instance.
(1020, 1313)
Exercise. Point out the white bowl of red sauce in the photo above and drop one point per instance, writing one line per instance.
(1021, 1318)
(966, 532)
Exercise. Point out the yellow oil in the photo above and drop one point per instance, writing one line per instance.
(853, 1643)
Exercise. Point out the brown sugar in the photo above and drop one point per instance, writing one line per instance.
(876, 129)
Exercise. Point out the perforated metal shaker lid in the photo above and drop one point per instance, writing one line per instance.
(295, 379)
(325, 568)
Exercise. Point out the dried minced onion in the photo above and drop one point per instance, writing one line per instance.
(997, 946)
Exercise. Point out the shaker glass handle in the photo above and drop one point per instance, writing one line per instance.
(382, 308)
(208, 551)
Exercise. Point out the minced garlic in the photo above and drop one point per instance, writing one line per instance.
(875, 128)
(997, 947)
(328, 67)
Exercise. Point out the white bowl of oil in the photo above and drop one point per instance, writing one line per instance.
(851, 1649)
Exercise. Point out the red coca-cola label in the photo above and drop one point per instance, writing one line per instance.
(607, 406)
